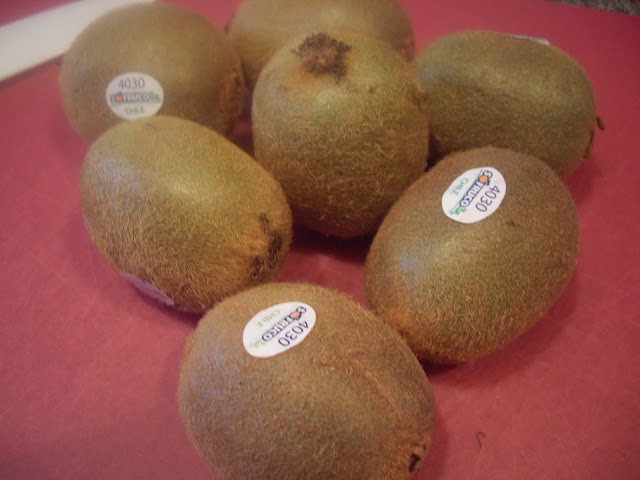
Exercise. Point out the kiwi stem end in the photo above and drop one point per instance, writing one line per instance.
(322, 53)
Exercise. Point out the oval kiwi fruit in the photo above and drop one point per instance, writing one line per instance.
(487, 88)
(340, 119)
(297, 381)
(182, 212)
(259, 28)
(460, 274)
(137, 59)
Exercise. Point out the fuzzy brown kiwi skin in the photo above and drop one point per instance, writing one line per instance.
(341, 121)
(371, 415)
(178, 207)
(191, 58)
(486, 88)
(259, 28)
(458, 291)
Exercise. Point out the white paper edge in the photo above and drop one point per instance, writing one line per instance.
(34, 40)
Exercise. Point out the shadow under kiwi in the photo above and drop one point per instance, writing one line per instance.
(582, 181)
(168, 311)
(241, 134)
(352, 250)
(327, 261)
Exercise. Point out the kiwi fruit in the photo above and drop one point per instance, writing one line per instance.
(296, 381)
(473, 253)
(339, 119)
(137, 59)
(181, 212)
(486, 88)
(259, 28)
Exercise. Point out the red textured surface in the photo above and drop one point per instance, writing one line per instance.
(89, 368)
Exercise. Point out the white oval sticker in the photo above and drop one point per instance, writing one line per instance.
(278, 328)
(134, 95)
(474, 195)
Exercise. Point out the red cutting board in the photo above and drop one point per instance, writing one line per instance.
(89, 367)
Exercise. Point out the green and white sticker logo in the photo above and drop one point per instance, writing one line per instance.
(277, 329)
(134, 95)
(474, 195)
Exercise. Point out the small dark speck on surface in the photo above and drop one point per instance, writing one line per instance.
(480, 436)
